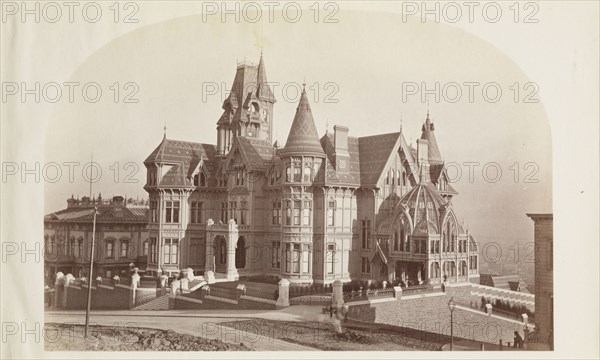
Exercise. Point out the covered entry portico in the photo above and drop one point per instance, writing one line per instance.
(412, 272)
(221, 241)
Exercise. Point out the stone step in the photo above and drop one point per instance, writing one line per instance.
(160, 303)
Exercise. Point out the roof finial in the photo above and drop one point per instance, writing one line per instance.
(400, 122)
(165, 131)
(304, 85)
(427, 108)
(327, 127)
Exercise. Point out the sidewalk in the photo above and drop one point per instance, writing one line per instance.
(203, 323)
(292, 313)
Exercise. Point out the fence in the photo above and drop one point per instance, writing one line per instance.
(358, 295)
(418, 289)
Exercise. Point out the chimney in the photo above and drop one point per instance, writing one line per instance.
(422, 160)
(340, 140)
(118, 200)
(340, 147)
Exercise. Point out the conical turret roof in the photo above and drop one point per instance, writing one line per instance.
(303, 138)
(435, 157)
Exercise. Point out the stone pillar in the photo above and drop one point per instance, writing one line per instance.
(66, 280)
(135, 282)
(488, 309)
(209, 277)
(209, 264)
(232, 238)
(283, 300)
(337, 295)
(397, 292)
(59, 289)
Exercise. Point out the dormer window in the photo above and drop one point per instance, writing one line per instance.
(199, 179)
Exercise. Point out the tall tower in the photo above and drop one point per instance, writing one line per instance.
(428, 133)
(248, 110)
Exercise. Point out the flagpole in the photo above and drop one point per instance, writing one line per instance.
(89, 296)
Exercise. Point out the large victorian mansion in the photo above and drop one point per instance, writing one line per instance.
(313, 211)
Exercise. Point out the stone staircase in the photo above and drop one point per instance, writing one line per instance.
(160, 303)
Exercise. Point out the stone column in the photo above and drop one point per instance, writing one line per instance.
(397, 292)
(283, 300)
(209, 264)
(337, 296)
(232, 238)
(58, 289)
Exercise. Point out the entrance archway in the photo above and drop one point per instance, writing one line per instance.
(240, 253)
(220, 254)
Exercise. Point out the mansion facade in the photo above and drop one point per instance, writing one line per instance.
(312, 211)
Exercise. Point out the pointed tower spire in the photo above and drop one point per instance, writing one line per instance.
(263, 91)
(303, 138)
(435, 157)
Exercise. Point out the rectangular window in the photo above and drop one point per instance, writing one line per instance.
(331, 213)
(296, 212)
(305, 258)
(297, 170)
(306, 213)
(275, 254)
(366, 233)
(288, 213)
(330, 258)
(223, 212)
(292, 263)
(109, 249)
(153, 250)
(233, 211)
(78, 248)
(170, 252)
(124, 248)
(174, 250)
(172, 212)
(243, 211)
(196, 212)
(167, 251)
(277, 213)
(288, 258)
(154, 211)
(296, 258)
(366, 265)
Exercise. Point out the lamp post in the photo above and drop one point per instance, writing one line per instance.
(451, 306)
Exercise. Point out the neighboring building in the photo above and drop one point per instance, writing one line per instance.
(121, 237)
(313, 211)
(544, 276)
(506, 282)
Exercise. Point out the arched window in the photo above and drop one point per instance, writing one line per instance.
(288, 173)
(396, 241)
(109, 249)
(331, 213)
(307, 174)
(146, 248)
(202, 179)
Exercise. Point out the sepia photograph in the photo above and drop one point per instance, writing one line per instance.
(359, 178)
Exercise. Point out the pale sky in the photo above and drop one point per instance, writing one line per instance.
(368, 59)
